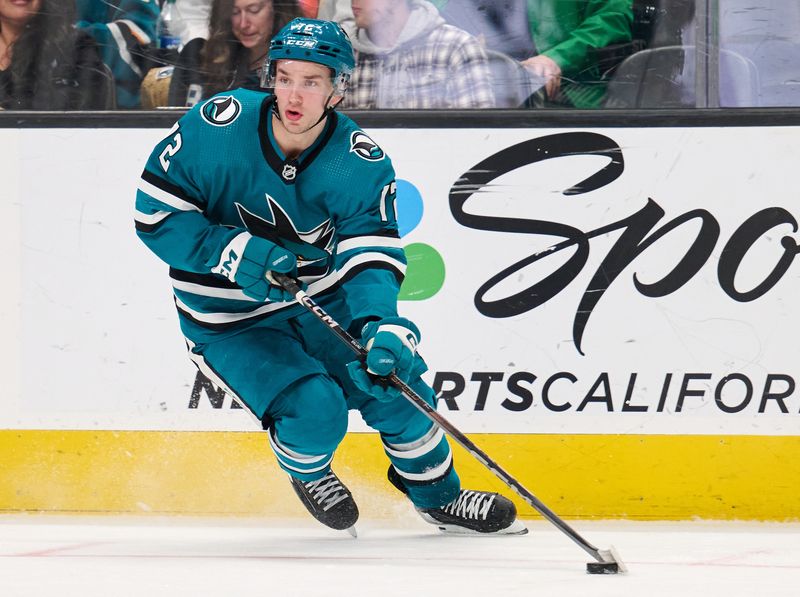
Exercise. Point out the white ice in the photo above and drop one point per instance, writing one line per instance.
(43, 555)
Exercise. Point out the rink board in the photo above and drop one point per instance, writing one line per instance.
(673, 396)
(632, 477)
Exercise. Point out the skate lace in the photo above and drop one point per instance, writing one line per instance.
(471, 504)
(327, 492)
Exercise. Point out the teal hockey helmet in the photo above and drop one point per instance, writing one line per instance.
(312, 40)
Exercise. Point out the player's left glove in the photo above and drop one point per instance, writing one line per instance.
(377, 387)
(391, 345)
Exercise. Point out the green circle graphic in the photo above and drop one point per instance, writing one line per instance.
(424, 274)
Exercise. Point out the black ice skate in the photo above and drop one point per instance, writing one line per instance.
(329, 501)
(471, 513)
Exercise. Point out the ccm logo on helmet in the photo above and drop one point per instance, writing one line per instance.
(365, 148)
(302, 43)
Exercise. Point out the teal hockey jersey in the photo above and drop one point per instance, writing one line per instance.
(219, 176)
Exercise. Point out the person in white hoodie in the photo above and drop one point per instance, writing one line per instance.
(407, 57)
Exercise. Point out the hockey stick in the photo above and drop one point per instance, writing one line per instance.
(607, 560)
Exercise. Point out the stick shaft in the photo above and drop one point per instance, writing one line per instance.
(430, 412)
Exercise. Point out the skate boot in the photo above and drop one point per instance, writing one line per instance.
(328, 500)
(471, 513)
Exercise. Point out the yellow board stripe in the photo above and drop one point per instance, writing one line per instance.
(635, 477)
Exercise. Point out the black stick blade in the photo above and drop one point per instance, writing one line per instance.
(602, 568)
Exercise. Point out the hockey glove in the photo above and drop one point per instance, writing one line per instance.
(377, 387)
(391, 345)
(261, 257)
(381, 388)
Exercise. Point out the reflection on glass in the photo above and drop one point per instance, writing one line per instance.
(45, 63)
(412, 54)
(566, 45)
(227, 54)
(408, 58)
(124, 31)
(764, 35)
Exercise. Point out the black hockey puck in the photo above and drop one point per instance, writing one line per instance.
(602, 568)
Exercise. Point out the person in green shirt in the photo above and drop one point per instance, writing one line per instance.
(559, 40)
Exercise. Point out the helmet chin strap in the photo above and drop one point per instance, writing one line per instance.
(328, 109)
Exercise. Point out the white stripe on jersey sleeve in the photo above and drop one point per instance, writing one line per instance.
(233, 294)
(314, 288)
(151, 219)
(165, 197)
(362, 258)
(364, 242)
(222, 317)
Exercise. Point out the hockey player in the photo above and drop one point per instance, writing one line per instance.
(250, 183)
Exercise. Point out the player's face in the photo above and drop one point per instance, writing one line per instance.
(19, 12)
(251, 21)
(369, 12)
(302, 89)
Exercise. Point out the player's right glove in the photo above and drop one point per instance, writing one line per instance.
(261, 257)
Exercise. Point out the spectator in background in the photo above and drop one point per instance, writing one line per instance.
(45, 64)
(178, 70)
(407, 57)
(233, 55)
(194, 16)
(334, 10)
(556, 41)
(124, 30)
(240, 32)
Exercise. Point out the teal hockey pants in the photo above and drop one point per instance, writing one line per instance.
(292, 376)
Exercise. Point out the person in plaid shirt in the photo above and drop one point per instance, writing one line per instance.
(408, 58)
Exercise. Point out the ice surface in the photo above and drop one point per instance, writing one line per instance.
(153, 557)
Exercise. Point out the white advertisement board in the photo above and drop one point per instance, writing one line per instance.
(565, 281)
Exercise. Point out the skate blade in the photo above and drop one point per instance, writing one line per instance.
(515, 528)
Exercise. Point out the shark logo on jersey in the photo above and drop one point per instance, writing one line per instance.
(221, 111)
(365, 148)
(313, 248)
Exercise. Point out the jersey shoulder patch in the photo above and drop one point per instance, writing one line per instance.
(226, 108)
(358, 143)
(221, 110)
(364, 147)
